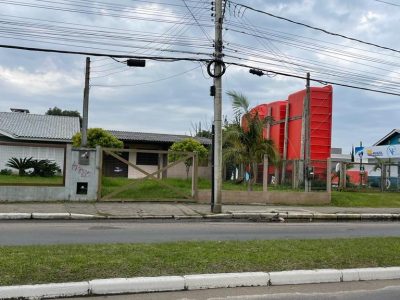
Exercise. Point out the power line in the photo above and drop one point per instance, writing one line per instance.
(158, 58)
(314, 28)
(120, 13)
(148, 82)
(197, 22)
(315, 80)
(389, 3)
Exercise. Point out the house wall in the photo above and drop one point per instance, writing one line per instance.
(76, 173)
(48, 152)
(133, 173)
(179, 171)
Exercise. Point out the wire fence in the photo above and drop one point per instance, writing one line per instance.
(295, 175)
(368, 177)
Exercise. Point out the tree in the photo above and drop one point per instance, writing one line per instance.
(97, 137)
(44, 168)
(244, 143)
(55, 111)
(21, 164)
(188, 145)
(200, 131)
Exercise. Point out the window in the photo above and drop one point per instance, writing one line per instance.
(147, 159)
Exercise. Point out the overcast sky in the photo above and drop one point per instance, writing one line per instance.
(168, 97)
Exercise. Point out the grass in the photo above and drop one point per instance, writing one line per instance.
(152, 190)
(360, 199)
(61, 263)
(15, 179)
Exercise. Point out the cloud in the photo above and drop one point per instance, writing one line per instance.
(40, 82)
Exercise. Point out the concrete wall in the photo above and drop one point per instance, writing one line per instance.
(179, 171)
(289, 198)
(74, 173)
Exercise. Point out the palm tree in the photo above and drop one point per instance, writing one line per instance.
(244, 143)
(21, 164)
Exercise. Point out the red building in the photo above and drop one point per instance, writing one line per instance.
(286, 129)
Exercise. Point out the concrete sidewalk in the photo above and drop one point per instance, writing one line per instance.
(157, 210)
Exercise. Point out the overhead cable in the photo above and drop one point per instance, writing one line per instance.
(314, 28)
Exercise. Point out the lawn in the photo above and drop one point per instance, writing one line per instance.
(30, 180)
(43, 264)
(152, 190)
(361, 199)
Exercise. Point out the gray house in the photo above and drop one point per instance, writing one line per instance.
(39, 136)
(149, 161)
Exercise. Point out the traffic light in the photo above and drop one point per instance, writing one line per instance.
(136, 63)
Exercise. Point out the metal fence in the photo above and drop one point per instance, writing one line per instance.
(296, 175)
(355, 176)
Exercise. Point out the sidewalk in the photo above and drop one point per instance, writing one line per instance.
(157, 210)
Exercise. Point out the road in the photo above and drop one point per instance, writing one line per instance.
(78, 232)
(366, 290)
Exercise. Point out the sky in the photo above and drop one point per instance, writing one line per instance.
(170, 97)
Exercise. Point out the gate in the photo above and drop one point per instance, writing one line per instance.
(122, 157)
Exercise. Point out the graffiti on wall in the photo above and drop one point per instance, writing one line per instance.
(76, 167)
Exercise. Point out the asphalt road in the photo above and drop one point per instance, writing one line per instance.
(81, 232)
(366, 290)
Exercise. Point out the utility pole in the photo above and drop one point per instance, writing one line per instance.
(218, 72)
(307, 136)
(85, 104)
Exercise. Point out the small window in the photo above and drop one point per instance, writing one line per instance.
(147, 159)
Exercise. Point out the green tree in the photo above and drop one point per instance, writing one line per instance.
(21, 164)
(55, 111)
(97, 137)
(244, 143)
(200, 131)
(188, 145)
(44, 168)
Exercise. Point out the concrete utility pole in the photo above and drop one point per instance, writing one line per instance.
(307, 135)
(85, 104)
(217, 207)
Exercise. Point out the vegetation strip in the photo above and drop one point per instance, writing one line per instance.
(63, 263)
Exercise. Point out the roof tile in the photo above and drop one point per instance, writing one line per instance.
(46, 127)
(154, 137)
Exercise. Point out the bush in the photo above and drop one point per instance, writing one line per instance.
(44, 168)
(5, 172)
(97, 136)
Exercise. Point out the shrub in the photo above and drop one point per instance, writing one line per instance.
(44, 168)
(5, 172)
(97, 136)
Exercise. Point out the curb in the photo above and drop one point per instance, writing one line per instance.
(194, 282)
(48, 216)
(228, 216)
